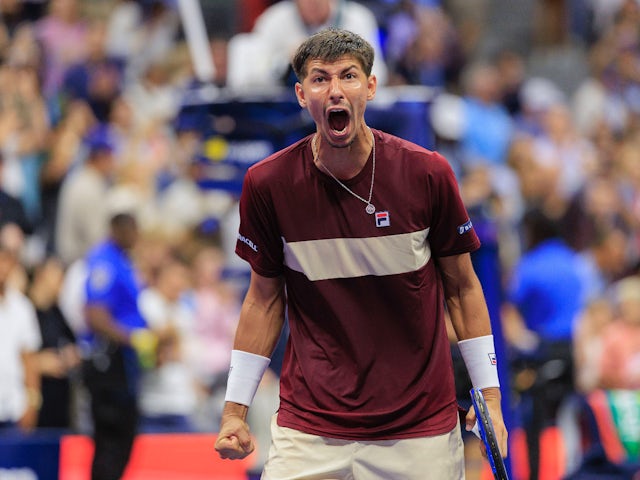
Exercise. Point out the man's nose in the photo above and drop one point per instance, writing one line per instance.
(335, 88)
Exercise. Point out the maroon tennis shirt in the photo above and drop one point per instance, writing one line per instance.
(368, 355)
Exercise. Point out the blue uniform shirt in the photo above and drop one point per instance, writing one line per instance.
(112, 284)
(547, 289)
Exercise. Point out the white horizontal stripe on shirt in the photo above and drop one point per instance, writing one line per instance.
(357, 257)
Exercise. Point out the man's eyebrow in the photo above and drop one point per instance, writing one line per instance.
(324, 72)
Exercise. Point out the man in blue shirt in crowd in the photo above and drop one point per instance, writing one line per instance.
(118, 335)
(544, 296)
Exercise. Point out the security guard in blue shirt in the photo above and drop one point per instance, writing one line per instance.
(119, 344)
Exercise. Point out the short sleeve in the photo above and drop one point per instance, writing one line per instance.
(31, 338)
(259, 240)
(100, 281)
(451, 231)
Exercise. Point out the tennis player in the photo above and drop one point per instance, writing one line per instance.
(360, 238)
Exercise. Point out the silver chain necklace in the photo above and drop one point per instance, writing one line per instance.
(370, 208)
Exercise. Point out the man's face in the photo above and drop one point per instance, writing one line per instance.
(336, 95)
(126, 234)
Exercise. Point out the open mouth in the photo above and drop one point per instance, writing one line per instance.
(338, 120)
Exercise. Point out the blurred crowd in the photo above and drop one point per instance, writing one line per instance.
(536, 105)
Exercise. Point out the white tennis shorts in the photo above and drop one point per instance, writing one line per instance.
(296, 456)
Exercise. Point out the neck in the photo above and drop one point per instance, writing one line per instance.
(41, 298)
(343, 162)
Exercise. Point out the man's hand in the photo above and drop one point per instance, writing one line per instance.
(234, 438)
(492, 399)
(145, 343)
(29, 419)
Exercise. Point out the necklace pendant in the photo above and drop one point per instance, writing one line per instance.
(370, 208)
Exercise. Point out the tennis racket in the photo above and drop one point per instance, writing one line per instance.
(488, 435)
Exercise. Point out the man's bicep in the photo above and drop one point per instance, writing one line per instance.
(464, 297)
(457, 272)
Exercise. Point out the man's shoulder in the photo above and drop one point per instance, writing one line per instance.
(402, 148)
(18, 300)
(84, 181)
(280, 162)
(104, 251)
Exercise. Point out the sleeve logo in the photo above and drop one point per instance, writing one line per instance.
(248, 242)
(465, 227)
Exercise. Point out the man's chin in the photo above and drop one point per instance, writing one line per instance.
(340, 139)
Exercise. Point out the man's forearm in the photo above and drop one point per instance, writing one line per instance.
(100, 321)
(32, 379)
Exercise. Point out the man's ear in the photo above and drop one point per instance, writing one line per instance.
(372, 85)
(300, 95)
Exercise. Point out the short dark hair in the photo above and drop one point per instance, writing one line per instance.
(122, 219)
(539, 226)
(330, 45)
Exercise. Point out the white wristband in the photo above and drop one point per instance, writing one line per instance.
(245, 373)
(479, 356)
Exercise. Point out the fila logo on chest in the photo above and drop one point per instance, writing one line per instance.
(382, 219)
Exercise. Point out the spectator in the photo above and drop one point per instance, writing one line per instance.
(112, 368)
(262, 58)
(544, 298)
(11, 210)
(19, 341)
(432, 57)
(627, 177)
(63, 157)
(511, 67)
(486, 135)
(569, 157)
(24, 126)
(122, 34)
(99, 78)
(588, 345)
(217, 307)
(16, 241)
(62, 32)
(153, 96)
(597, 207)
(593, 104)
(620, 365)
(59, 356)
(145, 36)
(401, 27)
(184, 205)
(24, 50)
(168, 395)
(13, 14)
(72, 298)
(603, 262)
(536, 184)
(536, 96)
(122, 125)
(82, 217)
(220, 55)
